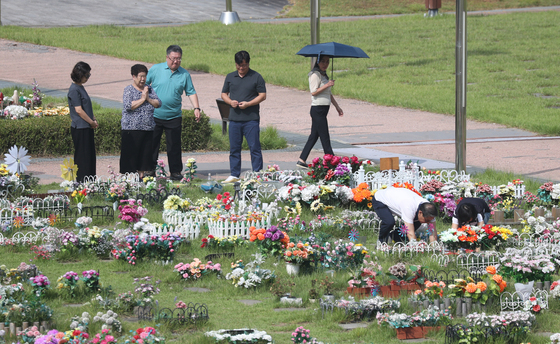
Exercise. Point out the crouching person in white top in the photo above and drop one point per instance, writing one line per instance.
(410, 207)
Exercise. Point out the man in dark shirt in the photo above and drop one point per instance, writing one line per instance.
(243, 90)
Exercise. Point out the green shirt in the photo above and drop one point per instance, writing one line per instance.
(169, 88)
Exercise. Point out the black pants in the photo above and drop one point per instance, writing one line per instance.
(172, 129)
(387, 222)
(136, 150)
(84, 152)
(319, 129)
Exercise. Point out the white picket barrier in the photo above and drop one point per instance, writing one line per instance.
(414, 176)
(221, 229)
(518, 189)
(188, 230)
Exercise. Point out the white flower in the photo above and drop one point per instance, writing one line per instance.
(17, 160)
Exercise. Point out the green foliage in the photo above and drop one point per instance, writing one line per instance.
(50, 136)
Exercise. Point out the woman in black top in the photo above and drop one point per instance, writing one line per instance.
(471, 210)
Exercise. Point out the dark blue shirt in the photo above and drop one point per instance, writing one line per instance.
(77, 96)
(244, 89)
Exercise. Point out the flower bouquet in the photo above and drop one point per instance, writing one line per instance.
(196, 269)
(91, 280)
(68, 281)
(243, 335)
(555, 289)
(301, 335)
(79, 196)
(324, 168)
(40, 284)
(342, 254)
(132, 210)
(534, 305)
(363, 196)
(160, 248)
(223, 243)
(523, 269)
(432, 187)
(250, 275)
(549, 193)
(365, 277)
(270, 241)
(298, 253)
(190, 171)
(146, 335)
(495, 236)
(432, 291)
(483, 191)
(466, 237)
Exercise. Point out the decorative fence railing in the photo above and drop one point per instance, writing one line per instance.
(194, 313)
(477, 262)
(414, 176)
(189, 230)
(220, 229)
(516, 301)
(416, 247)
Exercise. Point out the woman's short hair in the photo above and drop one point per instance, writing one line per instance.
(137, 69)
(81, 69)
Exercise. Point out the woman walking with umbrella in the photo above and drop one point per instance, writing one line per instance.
(321, 99)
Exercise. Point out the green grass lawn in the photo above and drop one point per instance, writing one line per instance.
(513, 74)
(334, 8)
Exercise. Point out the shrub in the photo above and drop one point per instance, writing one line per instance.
(50, 136)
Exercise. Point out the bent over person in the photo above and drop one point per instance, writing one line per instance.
(170, 80)
(410, 207)
(244, 90)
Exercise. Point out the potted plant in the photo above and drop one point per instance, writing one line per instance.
(295, 255)
(361, 281)
(313, 294)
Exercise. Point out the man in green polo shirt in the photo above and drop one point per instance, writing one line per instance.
(170, 80)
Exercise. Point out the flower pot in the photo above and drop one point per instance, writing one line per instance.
(387, 292)
(410, 333)
(539, 212)
(547, 285)
(498, 216)
(396, 287)
(447, 302)
(359, 292)
(555, 213)
(539, 285)
(293, 269)
(328, 297)
(524, 289)
(427, 329)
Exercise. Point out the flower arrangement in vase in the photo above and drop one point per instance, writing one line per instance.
(196, 269)
(270, 241)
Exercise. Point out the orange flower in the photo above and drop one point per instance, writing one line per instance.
(503, 286)
(471, 288)
(482, 286)
(290, 245)
(299, 245)
(286, 239)
(497, 278)
(418, 292)
(253, 238)
(260, 236)
(491, 269)
(428, 284)
(288, 254)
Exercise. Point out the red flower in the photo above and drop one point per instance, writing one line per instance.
(226, 194)
(219, 197)
(536, 308)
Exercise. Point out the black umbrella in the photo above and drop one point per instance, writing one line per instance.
(332, 49)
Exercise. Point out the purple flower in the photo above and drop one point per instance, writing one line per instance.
(268, 234)
(276, 236)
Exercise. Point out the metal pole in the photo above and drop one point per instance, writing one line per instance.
(228, 6)
(461, 86)
(315, 19)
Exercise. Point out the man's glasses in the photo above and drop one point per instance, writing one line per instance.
(174, 60)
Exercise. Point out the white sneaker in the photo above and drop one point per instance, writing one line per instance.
(231, 179)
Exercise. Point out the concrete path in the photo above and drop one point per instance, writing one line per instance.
(53, 13)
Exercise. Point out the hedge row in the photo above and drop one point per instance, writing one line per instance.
(50, 136)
